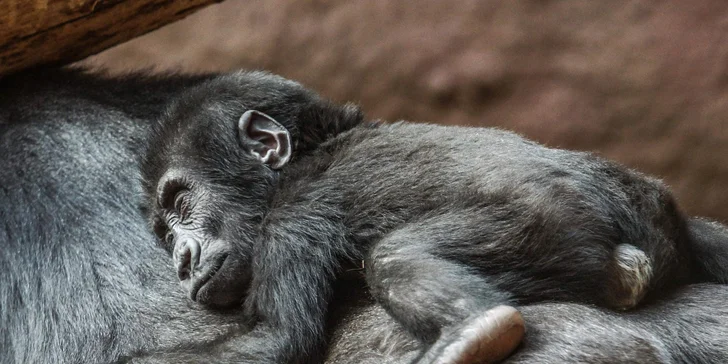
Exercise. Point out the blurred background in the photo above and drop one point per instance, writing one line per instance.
(642, 82)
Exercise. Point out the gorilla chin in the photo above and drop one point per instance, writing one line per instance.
(223, 284)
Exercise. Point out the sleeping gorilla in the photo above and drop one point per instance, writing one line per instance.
(83, 282)
(262, 192)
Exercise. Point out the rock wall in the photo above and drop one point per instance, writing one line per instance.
(642, 82)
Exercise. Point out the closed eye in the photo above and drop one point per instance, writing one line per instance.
(182, 203)
(166, 199)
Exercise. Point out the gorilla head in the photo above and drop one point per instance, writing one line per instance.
(206, 195)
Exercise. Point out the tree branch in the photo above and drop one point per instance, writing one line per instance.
(34, 32)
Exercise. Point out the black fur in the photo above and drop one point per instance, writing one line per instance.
(451, 221)
(82, 281)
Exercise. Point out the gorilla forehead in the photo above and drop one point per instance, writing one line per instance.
(210, 111)
(200, 128)
(230, 95)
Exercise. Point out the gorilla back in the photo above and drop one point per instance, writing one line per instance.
(82, 280)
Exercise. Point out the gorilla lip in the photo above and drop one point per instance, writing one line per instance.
(207, 277)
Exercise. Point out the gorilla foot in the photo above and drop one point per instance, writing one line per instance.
(487, 338)
(632, 276)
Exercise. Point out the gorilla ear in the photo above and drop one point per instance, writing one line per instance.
(265, 138)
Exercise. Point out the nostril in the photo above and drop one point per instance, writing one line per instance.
(188, 258)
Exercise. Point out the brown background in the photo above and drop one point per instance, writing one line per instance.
(642, 82)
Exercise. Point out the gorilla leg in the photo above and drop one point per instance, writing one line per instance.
(441, 302)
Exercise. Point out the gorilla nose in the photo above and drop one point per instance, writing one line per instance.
(188, 257)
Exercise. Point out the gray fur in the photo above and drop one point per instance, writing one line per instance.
(82, 280)
(675, 329)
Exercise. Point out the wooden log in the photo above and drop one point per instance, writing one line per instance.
(34, 32)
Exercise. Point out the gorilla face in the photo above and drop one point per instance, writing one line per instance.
(210, 241)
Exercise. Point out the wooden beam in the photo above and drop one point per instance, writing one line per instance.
(34, 32)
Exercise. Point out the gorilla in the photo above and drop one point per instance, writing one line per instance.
(83, 280)
(262, 192)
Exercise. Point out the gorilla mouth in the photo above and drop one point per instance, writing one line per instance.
(207, 277)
